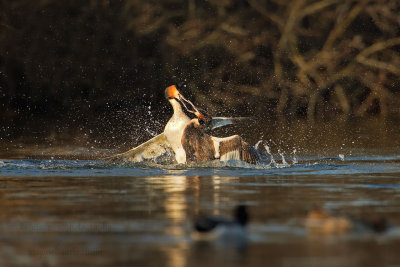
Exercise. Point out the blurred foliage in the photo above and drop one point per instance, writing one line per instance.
(81, 61)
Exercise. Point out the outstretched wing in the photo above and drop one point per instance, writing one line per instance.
(235, 148)
(157, 149)
(217, 122)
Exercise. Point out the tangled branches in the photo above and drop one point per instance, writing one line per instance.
(315, 59)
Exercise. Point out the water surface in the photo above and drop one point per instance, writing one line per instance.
(89, 212)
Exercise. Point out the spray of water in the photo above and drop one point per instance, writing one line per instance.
(284, 163)
(257, 145)
(273, 162)
(294, 161)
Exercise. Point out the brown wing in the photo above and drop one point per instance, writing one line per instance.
(198, 145)
(235, 147)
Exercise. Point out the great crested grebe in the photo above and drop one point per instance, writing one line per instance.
(191, 144)
(176, 125)
(186, 139)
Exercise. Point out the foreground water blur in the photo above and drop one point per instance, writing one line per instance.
(87, 212)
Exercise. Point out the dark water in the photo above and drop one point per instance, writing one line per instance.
(81, 212)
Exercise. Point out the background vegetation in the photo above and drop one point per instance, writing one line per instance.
(99, 68)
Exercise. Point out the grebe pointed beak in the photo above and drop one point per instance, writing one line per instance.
(200, 115)
(172, 92)
(196, 111)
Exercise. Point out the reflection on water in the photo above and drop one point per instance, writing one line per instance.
(88, 213)
(175, 205)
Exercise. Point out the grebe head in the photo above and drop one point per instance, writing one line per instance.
(172, 92)
(203, 118)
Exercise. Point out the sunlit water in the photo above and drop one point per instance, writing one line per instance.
(79, 212)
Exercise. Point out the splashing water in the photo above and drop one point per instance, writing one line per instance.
(284, 163)
(272, 162)
(257, 145)
(294, 161)
(152, 133)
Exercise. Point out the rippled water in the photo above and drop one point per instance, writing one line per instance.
(87, 212)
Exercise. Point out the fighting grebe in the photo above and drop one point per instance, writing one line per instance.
(187, 139)
(200, 147)
(175, 127)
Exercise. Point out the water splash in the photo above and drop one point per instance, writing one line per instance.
(152, 133)
(257, 145)
(272, 162)
(294, 161)
(284, 163)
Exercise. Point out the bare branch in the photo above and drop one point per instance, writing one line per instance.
(269, 15)
(341, 27)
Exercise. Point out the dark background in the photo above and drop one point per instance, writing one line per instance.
(94, 72)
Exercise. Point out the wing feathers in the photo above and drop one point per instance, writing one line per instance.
(235, 147)
(197, 144)
(151, 149)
